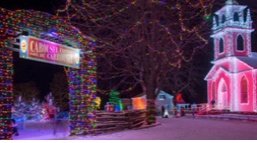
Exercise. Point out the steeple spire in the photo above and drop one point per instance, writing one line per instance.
(249, 19)
(231, 2)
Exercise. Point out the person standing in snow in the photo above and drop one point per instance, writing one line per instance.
(163, 110)
(193, 109)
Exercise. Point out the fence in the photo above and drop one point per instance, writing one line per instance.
(113, 121)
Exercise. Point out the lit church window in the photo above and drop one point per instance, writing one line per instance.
(221, 45)
(240, 43)
(244, 90)
(213, 91)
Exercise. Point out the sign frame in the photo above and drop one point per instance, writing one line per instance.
(24, 52)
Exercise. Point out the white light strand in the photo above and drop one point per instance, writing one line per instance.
(254, 90)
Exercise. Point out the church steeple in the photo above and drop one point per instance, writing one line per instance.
(248, 18)
(231, 2)
(232, 31)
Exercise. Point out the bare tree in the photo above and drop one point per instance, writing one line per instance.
(28, 90)
(60, 91)
(143, 39)
(186, 80)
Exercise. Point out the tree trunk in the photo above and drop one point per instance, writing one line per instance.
(151, 112)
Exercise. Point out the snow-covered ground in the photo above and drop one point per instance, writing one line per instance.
(187, 129)
(41, 130)
(183, 128)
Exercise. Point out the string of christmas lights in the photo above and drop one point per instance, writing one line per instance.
(82, 82)
(6, 87)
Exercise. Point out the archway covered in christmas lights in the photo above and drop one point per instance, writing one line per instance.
(82, 81)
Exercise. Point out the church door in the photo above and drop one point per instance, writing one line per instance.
(222, 95)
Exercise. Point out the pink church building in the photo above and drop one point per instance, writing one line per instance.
(232, 80)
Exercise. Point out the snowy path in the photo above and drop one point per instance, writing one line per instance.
(34, 134)
(187, 129)
(184, 128)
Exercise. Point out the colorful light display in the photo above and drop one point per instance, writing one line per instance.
(232, 80)
(82, 82)
(151, 111)
(6, 87)
(80, 6)
(204, 5)
(140, 31)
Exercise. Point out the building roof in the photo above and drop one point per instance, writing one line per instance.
(251, 61)
(139, 95)
(179, 99)
(143, 94)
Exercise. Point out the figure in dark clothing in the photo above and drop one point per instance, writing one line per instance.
(14, 127)
(182, 110)
(213, 103)
(163, 110)
(194, 109)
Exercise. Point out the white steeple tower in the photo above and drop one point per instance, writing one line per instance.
(232, 33)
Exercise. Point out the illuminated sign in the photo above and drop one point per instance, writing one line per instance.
(46, 51)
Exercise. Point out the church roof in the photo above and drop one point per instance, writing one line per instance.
(251, 61)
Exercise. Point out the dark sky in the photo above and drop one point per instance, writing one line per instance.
(42, 74)
(49, 6)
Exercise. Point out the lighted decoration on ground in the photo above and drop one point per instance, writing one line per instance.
(29, 111)
(232, 79)
(115, 100)
(98, 102)
(82, 82)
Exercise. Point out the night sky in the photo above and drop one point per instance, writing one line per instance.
(42, 73)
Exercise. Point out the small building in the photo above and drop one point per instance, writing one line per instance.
(163, 99)
(181, 103)
(127, 103)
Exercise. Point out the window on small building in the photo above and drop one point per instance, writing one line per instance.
(236, 17)
(240, 43)
(244, 90)
(221, 45)
(162, 97)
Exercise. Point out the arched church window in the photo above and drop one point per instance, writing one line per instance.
(223, 19)
(213, 91)
(236, 17)
(244, 90)
(240, 43)
(221, 46)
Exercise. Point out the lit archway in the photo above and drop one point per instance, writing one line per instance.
(82, 81)
(222, 95)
